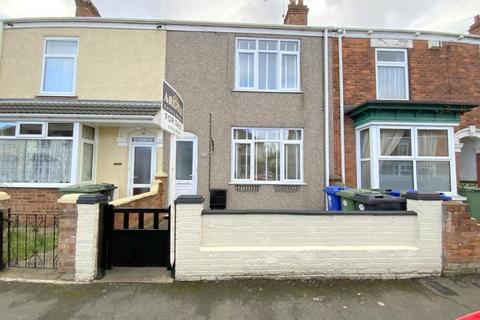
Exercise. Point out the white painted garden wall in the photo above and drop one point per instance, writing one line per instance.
(238, 245)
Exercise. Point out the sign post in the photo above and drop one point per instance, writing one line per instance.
(171, 121)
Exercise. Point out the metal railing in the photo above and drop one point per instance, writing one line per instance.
(32, 240)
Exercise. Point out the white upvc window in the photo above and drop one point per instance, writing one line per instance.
(267, 64)
(391, 66)
(267, 156)
(37, 154)
(406, 157)
(59, 66)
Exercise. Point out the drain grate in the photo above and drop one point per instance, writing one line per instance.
(441, 288)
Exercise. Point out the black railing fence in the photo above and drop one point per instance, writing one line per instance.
(31, 241)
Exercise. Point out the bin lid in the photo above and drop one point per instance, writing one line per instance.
(334, 189)
(375, 198)
(88, 188)
(468, 189)
(416, 195)
(350, 193)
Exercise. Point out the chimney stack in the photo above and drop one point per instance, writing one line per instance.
(297, 13)
(85, 8)
(475, 27)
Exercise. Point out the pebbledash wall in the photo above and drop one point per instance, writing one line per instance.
(446, 73)
(210, 56)
(293, 244)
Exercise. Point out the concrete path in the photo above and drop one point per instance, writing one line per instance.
(419, 299)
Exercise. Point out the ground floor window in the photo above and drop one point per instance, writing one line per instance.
(406, 157)
(36, 153)
(35, 161)
(266, 155)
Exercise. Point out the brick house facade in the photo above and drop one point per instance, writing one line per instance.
(447, 72)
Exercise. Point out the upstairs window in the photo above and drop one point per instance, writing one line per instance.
(59, 66)
(267, 65)
(392, 74)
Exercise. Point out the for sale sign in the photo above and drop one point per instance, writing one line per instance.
(172, 111)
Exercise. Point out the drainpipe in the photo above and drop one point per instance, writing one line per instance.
(1, 39)
(342, 106)
(326, 113)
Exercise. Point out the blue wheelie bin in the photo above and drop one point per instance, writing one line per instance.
(334, 202)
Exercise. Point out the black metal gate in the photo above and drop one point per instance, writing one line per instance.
(29, 240)
(136, 237)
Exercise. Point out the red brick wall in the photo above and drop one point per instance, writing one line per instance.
(461, 239)
(449, 73)
(33, 200)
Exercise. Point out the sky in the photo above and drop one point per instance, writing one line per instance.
(430, 15)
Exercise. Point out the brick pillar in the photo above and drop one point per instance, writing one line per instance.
(66, 239)
(4, 201)
(461, 248)
(78, 236)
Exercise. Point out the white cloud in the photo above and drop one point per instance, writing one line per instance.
(441, 15)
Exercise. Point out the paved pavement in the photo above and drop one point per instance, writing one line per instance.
(436, 298)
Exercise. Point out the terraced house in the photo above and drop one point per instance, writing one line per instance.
(78, 104)
(409, 97)
(265, 109)
(80, 100)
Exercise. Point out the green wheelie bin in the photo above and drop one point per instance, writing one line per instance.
(473, 198)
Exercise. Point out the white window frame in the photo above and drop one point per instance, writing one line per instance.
(376, 157)
(41, 135)
(252, 141)
(403, 64)
(93, 142)
(255, 64)
(44, 136)
(45, 56)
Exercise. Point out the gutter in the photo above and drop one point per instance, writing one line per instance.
(92, 118)
(341, 33)
(326, 111)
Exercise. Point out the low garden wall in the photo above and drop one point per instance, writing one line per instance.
(225, 244)
(33, 200)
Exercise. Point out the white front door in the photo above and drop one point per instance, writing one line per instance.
(142, 165)
(186, 166)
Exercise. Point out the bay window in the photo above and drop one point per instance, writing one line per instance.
(45, 154)
(267, 65)
(406, 157)
(265, 155)
(392, 74)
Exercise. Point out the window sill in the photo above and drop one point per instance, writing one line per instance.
(54, 95)
(268, 91)
(266, 183)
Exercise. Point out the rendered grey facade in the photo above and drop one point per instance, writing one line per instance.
(201, 66)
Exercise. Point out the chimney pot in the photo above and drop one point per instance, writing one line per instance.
(297, 13)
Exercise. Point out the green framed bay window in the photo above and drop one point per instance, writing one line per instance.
(402, 157)
(407, 145)
(42, 154)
